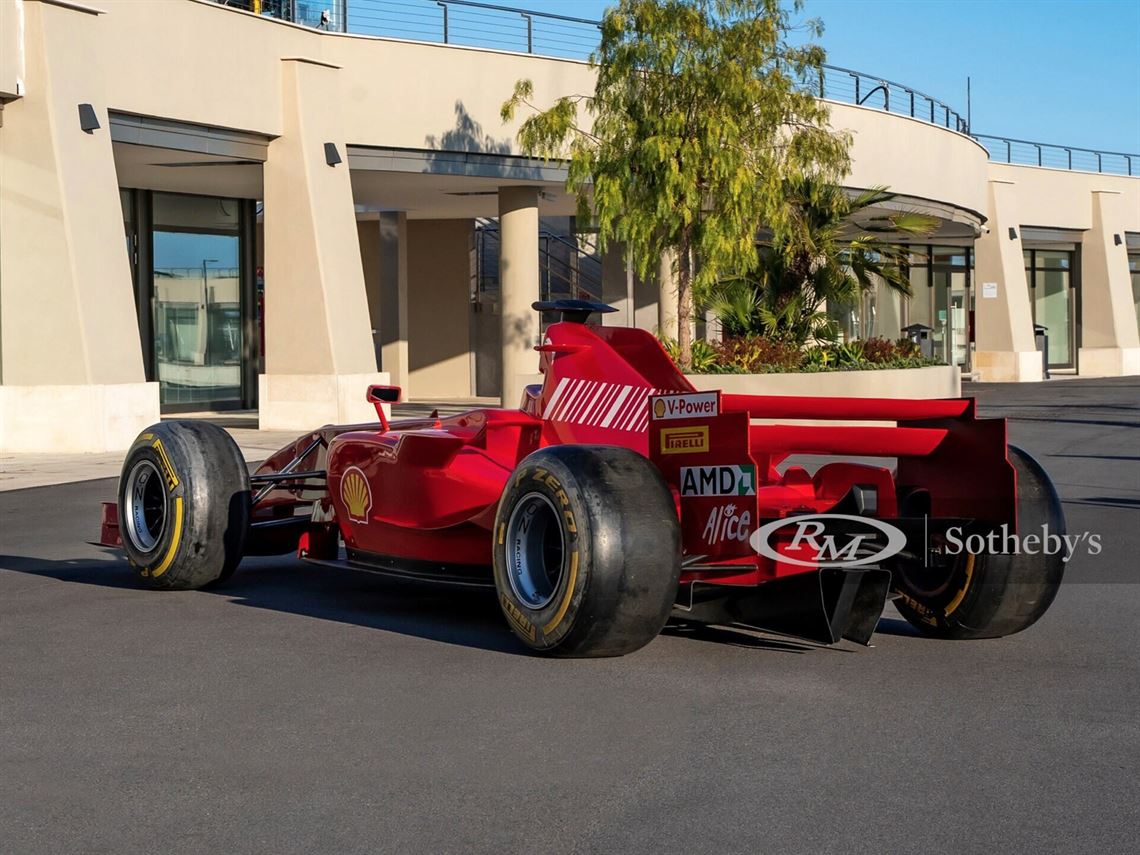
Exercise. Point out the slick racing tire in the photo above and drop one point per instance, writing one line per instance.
(988, 595)
(587, 551)
(184, 505)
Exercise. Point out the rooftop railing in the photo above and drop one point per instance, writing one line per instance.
(489, 25)
(1029, 153)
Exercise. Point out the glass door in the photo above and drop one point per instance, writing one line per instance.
(196, 301)
(940, 299)
(1049, 276)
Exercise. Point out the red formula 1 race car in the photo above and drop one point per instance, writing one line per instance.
(618, 495)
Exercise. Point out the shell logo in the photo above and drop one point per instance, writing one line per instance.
(658, 408)
(356, 494)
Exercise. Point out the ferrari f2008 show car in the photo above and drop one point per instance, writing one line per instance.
(618, 495)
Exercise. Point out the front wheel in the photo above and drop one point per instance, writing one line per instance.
(988, 595)
(587, 551)
(184, 505)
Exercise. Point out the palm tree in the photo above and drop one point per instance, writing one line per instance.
(833, 249)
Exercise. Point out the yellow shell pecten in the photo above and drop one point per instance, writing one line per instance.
(354, 491)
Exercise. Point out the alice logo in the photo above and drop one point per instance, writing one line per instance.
(356, 494)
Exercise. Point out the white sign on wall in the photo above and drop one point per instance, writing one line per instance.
(989, 290)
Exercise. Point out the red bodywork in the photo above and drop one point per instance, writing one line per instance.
(423, 493)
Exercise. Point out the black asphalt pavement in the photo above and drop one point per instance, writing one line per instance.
(307, 710)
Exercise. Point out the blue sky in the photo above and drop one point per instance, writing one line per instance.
(1059, 71)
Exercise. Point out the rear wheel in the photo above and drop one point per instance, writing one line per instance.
(184, 505)
(985, 594)
(587, 551)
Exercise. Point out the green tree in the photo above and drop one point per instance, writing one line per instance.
(701, 109)
(835, 247)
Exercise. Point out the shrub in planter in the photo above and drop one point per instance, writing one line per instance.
(758, 355)
(753, 354)
(881, 350)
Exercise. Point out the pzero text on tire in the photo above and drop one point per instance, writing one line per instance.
(184, 505)
(586, 551)
(989, 595)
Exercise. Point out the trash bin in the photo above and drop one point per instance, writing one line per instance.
(1041, 335)
(920, 335)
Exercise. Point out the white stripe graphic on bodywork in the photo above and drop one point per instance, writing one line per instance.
(616, 405)
(634, 407)
(558, 390)
(597, 403)
(588, 390)
(568, 400)
(599, 406)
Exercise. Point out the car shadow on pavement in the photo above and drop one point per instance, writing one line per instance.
(463, 617)
(731, 636)
(896, 626)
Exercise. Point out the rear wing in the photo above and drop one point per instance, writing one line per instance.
(949, 462)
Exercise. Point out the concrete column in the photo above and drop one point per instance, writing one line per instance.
(636, 301)
(518, 284)
(617, 285)
(319, 355)
(368, 233)
(667, 295)
(71, 368)
(1006, 349)
(393, 326)
(1110, 343)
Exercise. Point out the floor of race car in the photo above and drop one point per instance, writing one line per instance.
(307, 709)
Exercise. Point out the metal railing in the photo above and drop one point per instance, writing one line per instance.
(568, 267)
(865, 90)
(1030, 153)
(509, 28)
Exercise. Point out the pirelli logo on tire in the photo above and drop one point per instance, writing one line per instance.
(685, 440)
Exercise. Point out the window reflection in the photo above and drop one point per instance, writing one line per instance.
(196, 306)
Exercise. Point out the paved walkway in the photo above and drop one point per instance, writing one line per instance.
(19, 471)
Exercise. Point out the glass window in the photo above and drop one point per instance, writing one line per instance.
(197, 299)
(1134, 270)
(1054, 259)
(952, 256)
(941, 300)
(846, 317)
(1048, 274)
(919, 307)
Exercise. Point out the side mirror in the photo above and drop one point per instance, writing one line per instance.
(379, 395)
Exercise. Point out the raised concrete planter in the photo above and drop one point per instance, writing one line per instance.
(1108, 361)
(939, 381)
(64, 419)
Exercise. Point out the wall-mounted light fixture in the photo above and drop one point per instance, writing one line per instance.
(332, 156)
(1116, 240)
(88, 121)
(1012, 233)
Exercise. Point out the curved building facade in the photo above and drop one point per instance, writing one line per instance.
(248, 212)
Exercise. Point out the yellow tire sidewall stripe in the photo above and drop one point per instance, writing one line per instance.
(174, 541)
(562, 609)
(952, 606)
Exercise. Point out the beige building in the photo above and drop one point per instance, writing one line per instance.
(203, 207)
